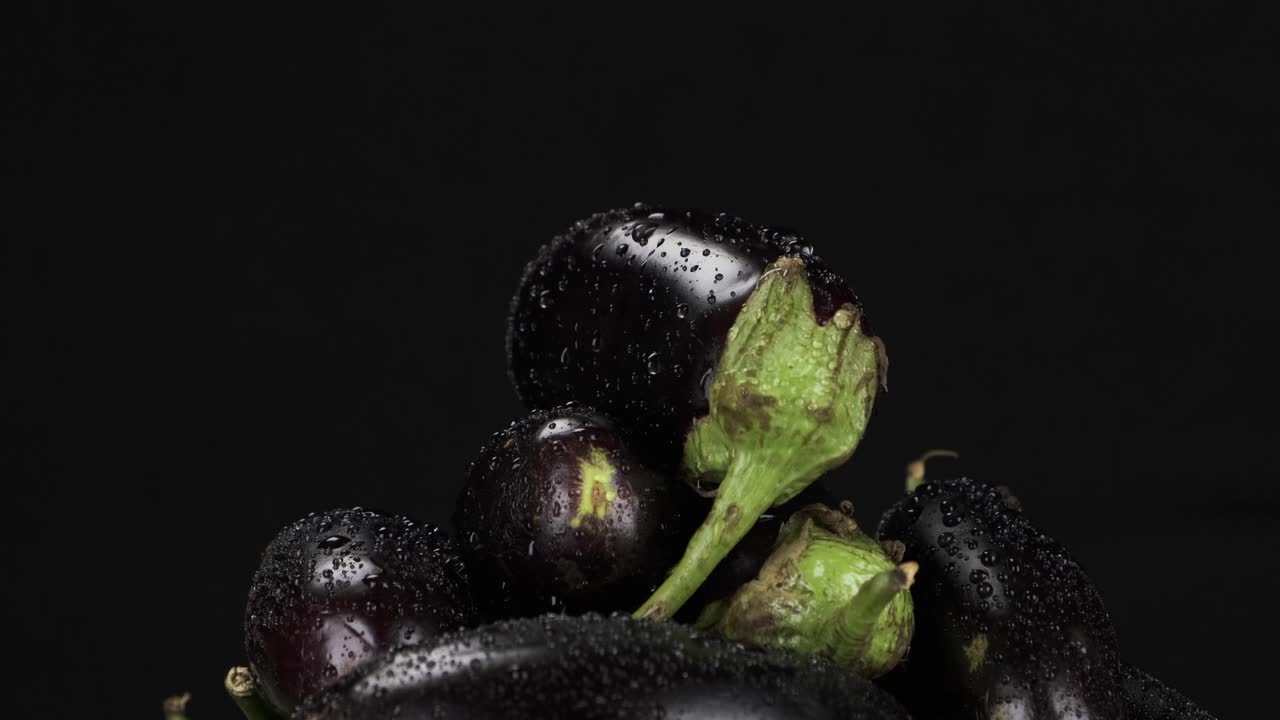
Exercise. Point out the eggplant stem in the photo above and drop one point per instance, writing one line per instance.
(243, 689)
(790, 400)
(175, 708)
(741, 499)
(852, 628)
(916, 468)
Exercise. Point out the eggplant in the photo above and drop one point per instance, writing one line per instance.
(594, 667)
(1007, 623)
(728, 348)
(559, 512)
(338, 588)
(1146, 698)
(827, 589)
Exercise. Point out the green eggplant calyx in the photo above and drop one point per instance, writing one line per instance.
(243, 688)
(827, 589)
(790, 400)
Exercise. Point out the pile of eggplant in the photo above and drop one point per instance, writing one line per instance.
(650, 541)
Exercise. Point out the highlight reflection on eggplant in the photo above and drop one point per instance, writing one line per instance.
(728, 342)
(592, 667)
(560, 513)
(338, 588)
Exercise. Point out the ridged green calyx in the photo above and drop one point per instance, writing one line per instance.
(790, 400)
(827, 589)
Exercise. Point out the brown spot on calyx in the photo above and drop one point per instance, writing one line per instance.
(746, 409)
(882, 363)
(846, 317)
(732, 516)
(895, 549)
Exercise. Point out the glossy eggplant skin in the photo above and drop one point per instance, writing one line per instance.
(338, 588)
(630, 309)
(1146, 698)
(591, 667)
(558, 513)
(1007, 623)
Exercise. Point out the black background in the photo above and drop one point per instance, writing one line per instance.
(271, 257)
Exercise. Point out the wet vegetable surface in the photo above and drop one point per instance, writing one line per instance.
(1146, 698)
(559, 513)
(826, 589)
(592, 667)
(729, 341)
(338, 588)
(1007, 623)
(629, 311)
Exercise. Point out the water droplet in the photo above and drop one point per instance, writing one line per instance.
(333, 542)
(684, 252)
(653, 364)
(682, 310)
(641, 233)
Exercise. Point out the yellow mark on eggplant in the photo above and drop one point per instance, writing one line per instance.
(596, 489)
(976, 652)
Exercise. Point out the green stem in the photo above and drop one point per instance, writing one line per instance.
(852, 629)
(790, 400)
(916, 468)
(243, 689)
(175, 708)
(741, 498)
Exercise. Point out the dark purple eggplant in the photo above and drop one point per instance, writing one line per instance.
(729, 348)
(1146, 698)
(559, 513)
(1007, 623)
(591, 668)
(338, 588)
